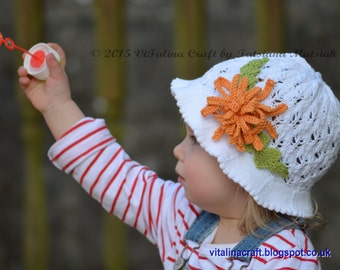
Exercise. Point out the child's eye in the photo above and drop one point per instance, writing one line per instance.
(193, 139)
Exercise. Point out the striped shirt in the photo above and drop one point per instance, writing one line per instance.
(159, 208)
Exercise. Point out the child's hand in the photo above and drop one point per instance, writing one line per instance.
(52, 97)
(44, 95)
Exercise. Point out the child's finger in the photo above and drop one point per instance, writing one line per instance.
(22, 72)
(24, 82)
(56, 70)
(60, 51)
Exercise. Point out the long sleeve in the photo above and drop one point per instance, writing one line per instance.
(131, 191)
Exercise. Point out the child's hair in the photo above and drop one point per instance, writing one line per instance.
(256, 216)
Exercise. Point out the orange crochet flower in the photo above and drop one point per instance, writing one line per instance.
(240, 112)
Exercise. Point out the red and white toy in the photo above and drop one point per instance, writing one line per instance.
(35, 61)
(35, 58)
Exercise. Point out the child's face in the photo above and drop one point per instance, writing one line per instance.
(204, 182)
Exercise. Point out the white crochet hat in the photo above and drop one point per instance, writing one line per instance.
(274, 129)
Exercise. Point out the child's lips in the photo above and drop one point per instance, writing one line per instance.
(181, 179)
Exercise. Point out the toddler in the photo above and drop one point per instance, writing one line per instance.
(260, 131)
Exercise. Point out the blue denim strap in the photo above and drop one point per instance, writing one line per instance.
(202, 227)
(245, 249)
(207, 222)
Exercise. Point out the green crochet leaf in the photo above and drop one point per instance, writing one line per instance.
(268, 158)
(251, 70)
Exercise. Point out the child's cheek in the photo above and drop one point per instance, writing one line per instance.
(198, 172)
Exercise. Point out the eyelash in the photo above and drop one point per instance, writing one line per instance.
(193, 138)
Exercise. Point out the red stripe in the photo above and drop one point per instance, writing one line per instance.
(285, 240)
(77, 126)
(306, 242)
(163, 246)
(293, 232)
(201, 257)
(307, 260)
(86, 152)
(183, 244)
(194, 251)
(175, 198)
(269, 246)
(160, 204)
(260, 259)
(170, 259)
(149, 205)
(77, 142)
(303, 259)
(173, 244)
(193, 209)
(117, 196)
(193, 268)
(104, 169)
(297, 258)
(113, 179)
(90, 166)
(184, 222)
(178, 232)
(131, 194)
(141, 203)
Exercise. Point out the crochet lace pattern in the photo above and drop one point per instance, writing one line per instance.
(244, 119)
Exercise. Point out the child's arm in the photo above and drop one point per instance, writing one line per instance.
(86, 149)
(52, 97)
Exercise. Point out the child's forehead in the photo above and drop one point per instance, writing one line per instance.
(186, 126)
(189, 130)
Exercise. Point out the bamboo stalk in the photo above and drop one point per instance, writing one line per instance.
(271, 21)
(29, 30)
(190, 37)
(110, 84)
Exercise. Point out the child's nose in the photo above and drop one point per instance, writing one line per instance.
(178, 153)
